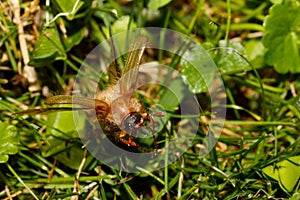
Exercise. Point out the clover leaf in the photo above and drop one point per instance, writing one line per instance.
(9, 141)
(282, 37)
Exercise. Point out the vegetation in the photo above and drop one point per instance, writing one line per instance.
(255, 45)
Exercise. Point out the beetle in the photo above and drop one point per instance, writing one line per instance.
(118, 112)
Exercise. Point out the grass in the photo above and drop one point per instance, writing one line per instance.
(261, 127)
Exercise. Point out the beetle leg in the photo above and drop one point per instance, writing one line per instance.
(148, 117)
(130, 142)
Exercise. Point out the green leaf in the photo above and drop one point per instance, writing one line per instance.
(120, 25)
(74, 38)
(287, 173)
(197, 71)
(276, 1)
(194, 79)
(295, 196)
(156, 4)
(282, 37)
(255, 51)
(171, 98)
(61, 127)
(9, 141)
(230, 57)
(64, 122)
(70, 6)
(48, 48)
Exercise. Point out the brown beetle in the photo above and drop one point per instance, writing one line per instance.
(118, 112)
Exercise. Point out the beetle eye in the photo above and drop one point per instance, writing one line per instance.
(132, 120)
